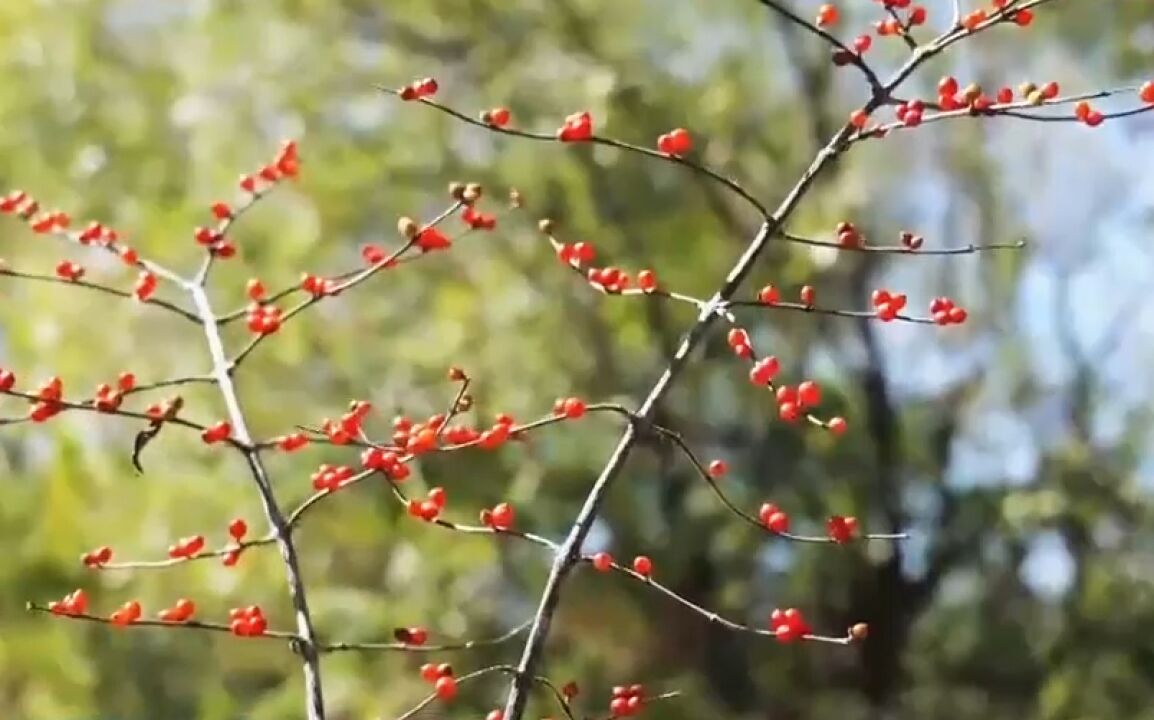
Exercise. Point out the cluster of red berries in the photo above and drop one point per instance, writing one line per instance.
(126, 614)
(441, 676)
(145, 286)
(497, 117)
(478, 220)
(788, 625)
(910, 241)
(570, 407)
(945, 312)
(68, 270)
(887, 305)
(576, 254)
(330, 478)
(415, 636)
(577, 127)
(166, 410)
(374, 255)
(237, 529)
(848, 236)
(603, 562)
(675, 142)
(841, 529)
(181, 611)
(385, 461)
(419, 89)
(317, 286)
(97, 558)
(217, 432)
(108, 397)
(615, 280)
(499, 517)
(417, 438)
(291, 442)
(74, 603)
(27, 208)
(739, 342)
(49, 400)
(247, 622)
(792, 401)
(348, 427)
(263, 319)
(1022, 18)
(609, 279)
(773, 518)
(627, 700)
(186, 548)
(285, 165)
(431, 239)
(430, 508)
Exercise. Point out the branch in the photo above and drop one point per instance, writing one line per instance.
(570, 550)
(713, 175)
(1018, 110)
(186, 624)
(89, 406)
(901, 249)
(854, 58)
(101, 288)
(713, 617)
(702, 472)
(280, 528)
(345, 283)
(406, 647)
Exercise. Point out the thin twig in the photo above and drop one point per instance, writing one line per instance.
(855, 58)
(733, 185)
(901, 249)
(408, 647)
(82, 283)
(186, 624)
(703, 473)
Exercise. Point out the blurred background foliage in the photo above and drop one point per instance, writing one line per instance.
(1015, 448)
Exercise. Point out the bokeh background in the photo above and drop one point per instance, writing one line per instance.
(1015, 448)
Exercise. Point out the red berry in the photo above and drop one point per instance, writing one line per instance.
(446, 687)
(603, 562)
(809, 393)
(237, 529)
(675, 142)
(764, 370)
(573, 408)
(502, 516)
(826, 15)
(498, 117)
(768, 295)
(642, 565)
(808, 295)
(718, 468)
